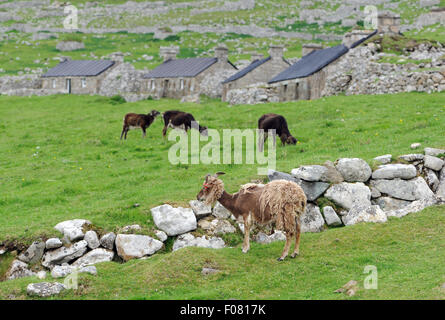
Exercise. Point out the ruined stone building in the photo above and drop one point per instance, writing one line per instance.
(177, 78)
(260, 70)
(77, 76)
(388, 22)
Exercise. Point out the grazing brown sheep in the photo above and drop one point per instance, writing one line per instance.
(135, 121)
(272, 121)
(180, 120)
(279, 201)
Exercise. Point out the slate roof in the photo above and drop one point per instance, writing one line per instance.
(311, 63)
(79, 68)
(255, 64)
(358, 42)
(175, 68)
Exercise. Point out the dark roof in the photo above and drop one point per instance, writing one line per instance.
(311, 63)
(358, 42)
(189, 67)
(255, 64)
(79, 68)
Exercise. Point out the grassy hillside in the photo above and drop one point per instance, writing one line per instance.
(61, 157)
(407, 252)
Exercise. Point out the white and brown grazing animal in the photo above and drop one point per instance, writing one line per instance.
(281, 202)
(138, 121)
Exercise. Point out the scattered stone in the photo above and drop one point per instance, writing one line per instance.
(413, 207)
(433, 163)
(416, 145)
(219, 211)
(53, 243)
(45, 289)
(161, 235)
(388, 203)
(375, 193)
(397, 170)
(34, 253)
(310, 173)
(130, 246)
(107, 240)
(277, 236)
(63, 271)
(363, 213)
(432, 179)
(92, 239)
(384, 159)
(18, 269)
(346, 194)
(209, 271)
(41, 275)
(72, 229)
(313, 190)
(131, 228)
(64, 254)
(221, 226)
(412, 157)
(2, 251)
(188, 240)
(200, 209)
(277, 175)
(174, 221)
(352, 284)
(414, 189)
(331, 217)
(262, 238)
(311, 219)
(95, 256)
(354, 169)
(433, 151)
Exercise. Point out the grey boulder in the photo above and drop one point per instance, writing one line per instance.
(433, 163)
(388, 203)
(414, 189)
(174, 221)
(310, 173)
(200, 209)
(18, 269)
(107, 240)
(34, 253)
(362, 213)
(397, 170)
(354, 169)
(131, 246)
(331, 217)
(92, 239)
(346, 194)
(64, 254)
(53, 243)
(72, 229)
(95, 256)
(434, 151)
(385, 159)
(63, 271)
(188, 240)
(413, 207)
(412, 157)
(219, 211)
(311, 219)
(45, 289)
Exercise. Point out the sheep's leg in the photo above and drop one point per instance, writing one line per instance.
(126, 131)
(297, 239)
(286, 247)
(144, 133)
(123, 131)
(246, 243)
(164, 131)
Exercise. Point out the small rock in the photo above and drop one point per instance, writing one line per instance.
(354, 169)
(433, 163)
(346, 194)
(412, 157)
(310, 173)
(188, 240)
(64, 254)
(161, 235)
(416, 145)
(92, 239)
(34, 253)
(384, 159)
(433, 151)
(18, 269)
(262, 238)
(331, 217)
(53, 243)
(107, 240)
(174, 221)
(72, 229)
(45, 289)
(388, 203)
(63, 271)
(130, 246)
(41, 275)
(200, 209)
(95, 256)
(364, 213)
(209, 271)
(133, 227)
(311, 219)
(414, 189)
(219, 211)
(397, 170)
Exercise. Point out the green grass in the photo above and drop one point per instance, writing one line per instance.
(407, 252)
(61, 157)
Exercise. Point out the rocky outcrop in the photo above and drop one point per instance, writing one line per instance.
(45, 289)
(188, 240)
(131, 246)
(174, 221)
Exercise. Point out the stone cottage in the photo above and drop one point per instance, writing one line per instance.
(178, 78)
(260, 70)
(77, 76)
(305, 79)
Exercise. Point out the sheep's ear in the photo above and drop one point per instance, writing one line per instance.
(219, 174)
(207, 176)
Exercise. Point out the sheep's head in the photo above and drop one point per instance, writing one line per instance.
(154, 113)
(291, 140)
(212, 189)
(203, 131)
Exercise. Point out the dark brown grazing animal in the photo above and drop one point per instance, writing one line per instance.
(275, 121)
(180, 120)
(281, 202)
(136, 121)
